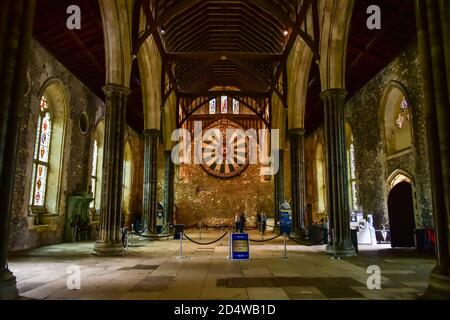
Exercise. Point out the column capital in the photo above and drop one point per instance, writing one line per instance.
(297, 131)
(333, 93)
(112, 88)
(150, 132)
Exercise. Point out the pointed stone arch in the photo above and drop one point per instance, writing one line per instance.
(58, 105)
(150, 69)
(398, 176)
(396, 141)
(298, 69)
(117, 21)
(334, 31)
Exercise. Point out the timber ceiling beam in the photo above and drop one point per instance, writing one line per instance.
(271, 8)
(224, 55)
(229, 93)
(158, 42)
(176, 9)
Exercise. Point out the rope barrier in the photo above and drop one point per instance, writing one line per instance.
(253, 240)
(152, 236)
(205, 243)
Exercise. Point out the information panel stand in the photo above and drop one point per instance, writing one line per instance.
(240, 249)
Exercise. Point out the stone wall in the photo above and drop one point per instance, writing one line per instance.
(77, 152)
(215, 201)
(364, 112)
(42, 67)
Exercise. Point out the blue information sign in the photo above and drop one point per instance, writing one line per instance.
(240, 249)
(285, 221)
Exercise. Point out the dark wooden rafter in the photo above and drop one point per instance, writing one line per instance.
(274, 9)
(227, 43)
(151, 29)
(252, 30)
(245, 121)
(248, 33)
(224, 55)
(190, 103)
(302, 9)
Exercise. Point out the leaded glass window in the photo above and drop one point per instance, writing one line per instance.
(404, 114)
(352, 176)
(224, 105)
(236, 106)
(41, 154)
(94, 173)
(212, 106)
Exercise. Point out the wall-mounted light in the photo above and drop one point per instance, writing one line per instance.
(285, 33)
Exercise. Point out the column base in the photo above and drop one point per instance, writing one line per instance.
(341, 250)
(439, 287)
(108, 249)
(8, 286)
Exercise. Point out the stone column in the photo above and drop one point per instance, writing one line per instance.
(168, 187)
(433, 27)
(16, 24)
(110, 243)
(151, 140)
(297, 141)
(279, 186)
(337, 178)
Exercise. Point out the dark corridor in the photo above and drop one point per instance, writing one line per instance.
(401, 215)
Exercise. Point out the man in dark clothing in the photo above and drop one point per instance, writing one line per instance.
(263, 222)
(242, 222)
(258, 220)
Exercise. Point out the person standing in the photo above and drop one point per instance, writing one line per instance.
(237, 222)
(258, 220)
(241, 222)
(263, 222)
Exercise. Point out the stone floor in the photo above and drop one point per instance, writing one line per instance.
(151, 270)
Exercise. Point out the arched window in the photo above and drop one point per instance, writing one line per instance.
(97, 166)
(48, 149)
(212, 106)
(397, 121)
(223, 104)
(94, 173)
(127, 179)
(351, 168)
(320, 180)
(41, 154)
(236, 109)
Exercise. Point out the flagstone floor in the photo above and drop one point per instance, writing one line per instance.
(151, 271)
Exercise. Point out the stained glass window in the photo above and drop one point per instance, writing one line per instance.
(41, 155)
(235, 106)
(352, 175)
(223, 104)
(94, 173)
(404, 114)
(320, 179)
(212, 106)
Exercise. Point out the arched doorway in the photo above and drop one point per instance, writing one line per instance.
(401, 215)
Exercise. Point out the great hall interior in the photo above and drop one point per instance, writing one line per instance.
(119, 179)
